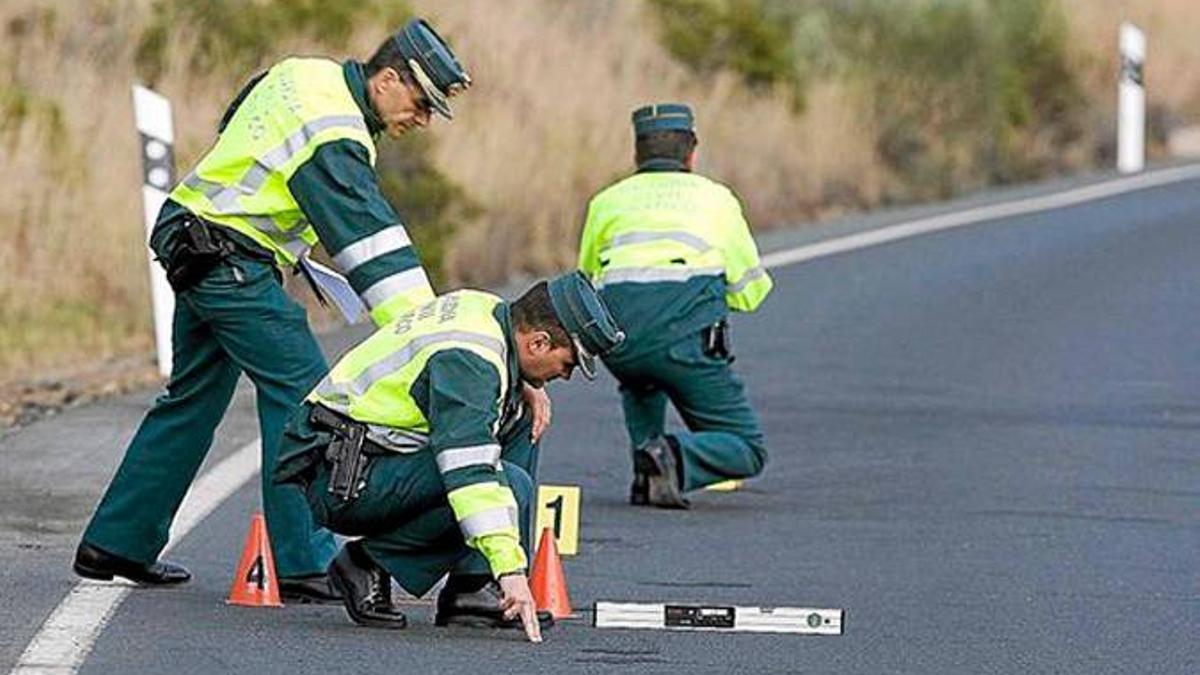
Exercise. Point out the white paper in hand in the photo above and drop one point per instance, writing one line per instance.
(335, 287)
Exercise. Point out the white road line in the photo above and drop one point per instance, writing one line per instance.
(69, 633)
(979, 214)
(67, 636)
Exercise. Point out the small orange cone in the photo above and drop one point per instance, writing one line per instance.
(547, 582)
(254, 583)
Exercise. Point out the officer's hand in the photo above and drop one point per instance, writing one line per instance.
(518, 601)
(539, 403)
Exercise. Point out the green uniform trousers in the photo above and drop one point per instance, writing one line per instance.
(238, 318)
(723, 440)
(402, 515)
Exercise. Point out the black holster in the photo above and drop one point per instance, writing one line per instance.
(197, 249)
(717, 342)
(348, 454)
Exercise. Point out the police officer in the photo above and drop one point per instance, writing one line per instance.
(293, 165)
(417, 442)
(671, 254)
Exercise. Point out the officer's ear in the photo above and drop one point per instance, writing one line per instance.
(540, 343)
(392, 77)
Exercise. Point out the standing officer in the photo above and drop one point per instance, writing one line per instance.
(293, 165)
(671, 253)
(416, 441)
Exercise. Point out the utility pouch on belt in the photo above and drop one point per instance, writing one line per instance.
(716, 339)
(196, 251)
(347, 454)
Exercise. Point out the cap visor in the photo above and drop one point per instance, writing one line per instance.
(587, 366)
(439, 103)
(584, 359)
(437, 100)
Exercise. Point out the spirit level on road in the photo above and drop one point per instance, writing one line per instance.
(798, 620)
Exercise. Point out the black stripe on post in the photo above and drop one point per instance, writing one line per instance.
(158, 163)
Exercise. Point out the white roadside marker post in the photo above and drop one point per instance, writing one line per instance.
(153, 115)
(1131, 105)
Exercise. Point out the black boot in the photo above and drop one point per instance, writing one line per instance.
(474, 601)
(656, 467)
(94, 563)
(366, 589)
(313, 589)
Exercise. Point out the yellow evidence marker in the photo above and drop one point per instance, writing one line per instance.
(726, 486)
(558, 509)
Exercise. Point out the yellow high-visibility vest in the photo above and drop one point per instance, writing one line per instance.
(672, 226)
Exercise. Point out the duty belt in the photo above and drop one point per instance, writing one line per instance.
(348, 453)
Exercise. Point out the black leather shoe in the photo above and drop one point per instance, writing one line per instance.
(94, 563)
(365, 588)
(304, 590)
(478, 608)
(654, 462)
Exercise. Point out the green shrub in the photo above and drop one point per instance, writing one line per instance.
(966, 91)
(752, 38)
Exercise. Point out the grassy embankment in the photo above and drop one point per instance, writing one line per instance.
(805, 108)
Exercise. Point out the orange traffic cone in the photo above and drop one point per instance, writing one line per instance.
(547, 582)
(254, 584)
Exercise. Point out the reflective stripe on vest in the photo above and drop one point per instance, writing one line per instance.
(647, 275)
(457, 458)
(487, 522)
(750, 275)
(482, 509)
(241, 183)
(345, 391)
(397, 440)
(366, 249)
(632, 238)
(392, 286)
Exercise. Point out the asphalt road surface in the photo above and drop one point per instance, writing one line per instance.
(983, 448)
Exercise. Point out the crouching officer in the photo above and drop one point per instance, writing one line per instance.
(418, 443)
(671, 254)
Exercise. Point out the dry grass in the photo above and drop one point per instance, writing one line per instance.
(74, 269)
(545, 127)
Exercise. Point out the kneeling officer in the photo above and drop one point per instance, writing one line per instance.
(417, 442)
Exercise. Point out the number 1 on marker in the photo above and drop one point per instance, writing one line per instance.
(558, 508)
